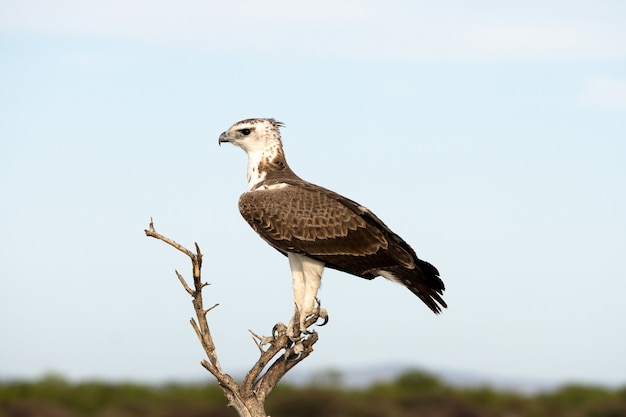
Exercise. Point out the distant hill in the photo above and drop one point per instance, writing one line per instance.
(362, 377)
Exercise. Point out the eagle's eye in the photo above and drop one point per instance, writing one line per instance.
(245, 132)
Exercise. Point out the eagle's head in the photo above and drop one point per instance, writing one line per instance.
(260, 138)
(254, 135)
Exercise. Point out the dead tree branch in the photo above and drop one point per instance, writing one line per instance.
(282, 354)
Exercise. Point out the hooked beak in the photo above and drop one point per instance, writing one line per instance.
(223, 138)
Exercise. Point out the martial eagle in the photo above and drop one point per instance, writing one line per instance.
(316, 228)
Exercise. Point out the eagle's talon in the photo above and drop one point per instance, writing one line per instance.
(320, 313)
(298, 348)
(278, 329)
(295, 339)
(323, 314)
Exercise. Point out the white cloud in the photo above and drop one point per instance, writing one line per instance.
(366, 29)
(605, 92)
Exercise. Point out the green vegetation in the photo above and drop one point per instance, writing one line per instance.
(415, 393)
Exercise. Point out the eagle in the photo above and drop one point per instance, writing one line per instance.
(317, 228)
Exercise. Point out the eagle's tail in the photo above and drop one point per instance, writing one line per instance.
(424, 282)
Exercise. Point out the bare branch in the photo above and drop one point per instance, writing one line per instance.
(285, 352)
(211, 308)
(182, 281)
(152, 233)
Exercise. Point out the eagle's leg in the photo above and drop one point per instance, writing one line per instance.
(312, 280)
(307, 277)
(297, 276)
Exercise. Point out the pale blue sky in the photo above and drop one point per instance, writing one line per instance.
(491, 137)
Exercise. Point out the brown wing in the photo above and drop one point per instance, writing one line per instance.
(305, 218)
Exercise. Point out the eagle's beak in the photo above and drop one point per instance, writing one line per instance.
(223, 138)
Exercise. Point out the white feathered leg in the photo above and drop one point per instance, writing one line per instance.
(306, 274)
